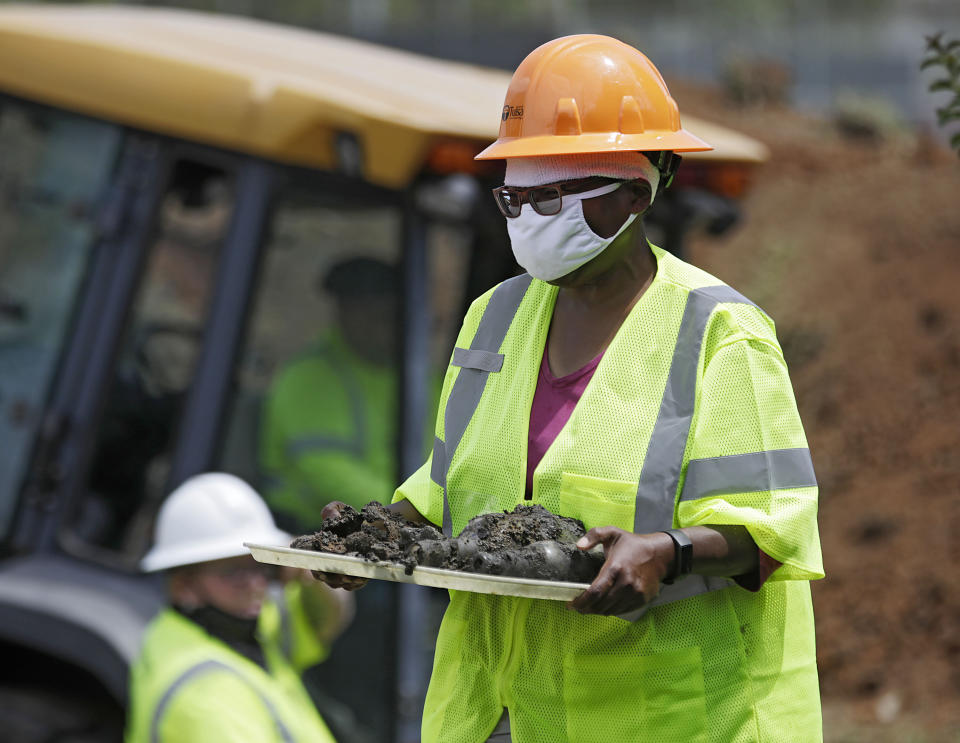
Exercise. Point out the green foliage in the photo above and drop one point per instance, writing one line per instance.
(946, 55)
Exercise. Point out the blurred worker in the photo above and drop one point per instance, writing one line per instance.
(206, 671)
(616, 384)
(329, 433)
(329, 417)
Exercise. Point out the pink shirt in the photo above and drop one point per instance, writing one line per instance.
(553, 402)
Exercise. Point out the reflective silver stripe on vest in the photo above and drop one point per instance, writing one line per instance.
(472, 359)
(438, 471)
(661, 467)
(279, 597)
(749, 473)
(664, 459)
(310, 443)
(467, 390)
(204, 667)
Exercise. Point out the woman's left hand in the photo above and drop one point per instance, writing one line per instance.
(631, 573)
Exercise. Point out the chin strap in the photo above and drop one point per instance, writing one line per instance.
(667, 162)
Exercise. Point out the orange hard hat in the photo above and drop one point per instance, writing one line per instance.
(588, 93)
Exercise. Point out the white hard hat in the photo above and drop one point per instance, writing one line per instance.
(209, 517)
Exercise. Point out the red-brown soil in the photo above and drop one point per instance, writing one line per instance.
(853, 247)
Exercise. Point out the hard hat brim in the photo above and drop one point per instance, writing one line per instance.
(173, 556)
(575, 144)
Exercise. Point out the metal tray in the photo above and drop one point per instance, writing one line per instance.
(435, 577)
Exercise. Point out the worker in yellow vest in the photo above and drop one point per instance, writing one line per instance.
(616, 384)
(210, 668)
(329, 417)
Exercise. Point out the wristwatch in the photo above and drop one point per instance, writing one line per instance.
(682, 555)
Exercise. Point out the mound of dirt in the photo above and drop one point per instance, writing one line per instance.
(374, 533)
(528, 542)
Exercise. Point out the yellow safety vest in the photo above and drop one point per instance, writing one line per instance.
(285, 623)
(187, 686)
(329, 433)
(689, 419)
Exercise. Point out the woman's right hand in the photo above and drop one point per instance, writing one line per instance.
(336, 580)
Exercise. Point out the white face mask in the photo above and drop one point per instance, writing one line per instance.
(551, 247)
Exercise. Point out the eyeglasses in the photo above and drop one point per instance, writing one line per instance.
(546, 200)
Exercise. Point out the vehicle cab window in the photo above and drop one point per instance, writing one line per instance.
(314, 394)
(156, 361)
(53, 166)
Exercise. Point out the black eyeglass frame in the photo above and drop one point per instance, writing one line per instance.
(552, 192)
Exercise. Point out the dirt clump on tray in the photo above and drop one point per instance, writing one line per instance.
(528, 542)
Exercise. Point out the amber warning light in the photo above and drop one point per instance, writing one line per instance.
(456, 156)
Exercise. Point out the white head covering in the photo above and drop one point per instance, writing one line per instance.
(537, 171)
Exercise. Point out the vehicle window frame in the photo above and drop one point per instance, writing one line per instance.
(64, 382)
(231, 330)
(200, 431)
(98, 375)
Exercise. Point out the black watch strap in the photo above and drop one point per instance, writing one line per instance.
(682, 555)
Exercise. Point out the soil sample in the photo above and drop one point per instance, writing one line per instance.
(528, 542)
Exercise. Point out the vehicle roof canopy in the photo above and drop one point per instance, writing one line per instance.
(275, 91)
